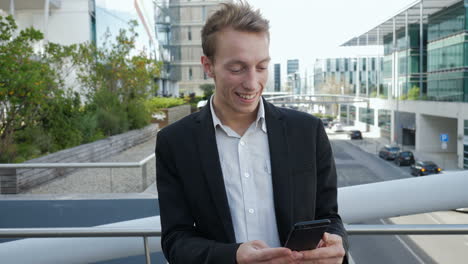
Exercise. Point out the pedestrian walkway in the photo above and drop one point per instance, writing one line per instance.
(100, 181)
(372, 143)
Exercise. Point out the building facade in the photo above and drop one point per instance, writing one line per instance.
(69, 22)
(350, 76)
(188, 18)
(425, 89)
(277, 77)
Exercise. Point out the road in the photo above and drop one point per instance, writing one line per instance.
(355, 166)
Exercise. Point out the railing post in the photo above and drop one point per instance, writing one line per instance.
(147, 250)
(111, 174)
(8, 181)
(144, 177)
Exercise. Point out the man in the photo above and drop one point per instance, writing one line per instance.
(234, 178)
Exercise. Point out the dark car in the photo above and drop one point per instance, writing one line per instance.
(420, 168)
(404, 158)
(389, 152)
(355, 134)
(325, 122)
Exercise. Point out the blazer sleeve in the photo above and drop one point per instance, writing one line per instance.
(181, 242)
(326, 199)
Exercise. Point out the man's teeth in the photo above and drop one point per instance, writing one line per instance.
(248, 97)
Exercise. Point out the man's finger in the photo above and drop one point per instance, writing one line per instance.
(259, 244)
(324, 253)
(272, 253)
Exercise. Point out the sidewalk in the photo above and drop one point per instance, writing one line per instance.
(372, 143)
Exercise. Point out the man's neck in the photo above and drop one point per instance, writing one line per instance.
(239, 122)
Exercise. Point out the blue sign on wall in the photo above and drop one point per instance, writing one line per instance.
(444, 138)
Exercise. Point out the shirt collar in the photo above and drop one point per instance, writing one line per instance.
(260, 120)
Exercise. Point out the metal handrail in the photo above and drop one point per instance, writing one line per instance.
(442, 229)
(78, 232)
(96, 165)
(78, 165)
(84, 232)
(354, 229)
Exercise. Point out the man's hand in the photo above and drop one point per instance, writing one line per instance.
(330, 251)
(258, 252)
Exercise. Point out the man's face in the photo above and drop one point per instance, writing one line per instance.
(240, 70)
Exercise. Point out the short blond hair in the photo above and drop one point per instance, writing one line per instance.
(238, 16)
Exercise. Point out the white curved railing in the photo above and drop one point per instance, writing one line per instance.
(357, 203)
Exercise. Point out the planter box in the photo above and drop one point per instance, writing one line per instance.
(17, 180)
(171, 115)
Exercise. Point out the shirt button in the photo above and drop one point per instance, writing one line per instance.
(246, 175)
(251, 211)
(242, 143)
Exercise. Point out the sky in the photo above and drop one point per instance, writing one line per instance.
(310, 29)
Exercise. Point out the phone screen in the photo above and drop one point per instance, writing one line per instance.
(306, 235)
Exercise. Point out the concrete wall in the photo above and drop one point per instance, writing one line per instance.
(67, 25)
(23, 179)
(403, 120)
(428, 130)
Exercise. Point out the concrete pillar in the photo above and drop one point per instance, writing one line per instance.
(8, 181)
(46, 20)
(419, 132)
(393, 134)
(421, 7)
(12, 8)
(347, 114)
(460, 140)
(378, 64)
(394, 62)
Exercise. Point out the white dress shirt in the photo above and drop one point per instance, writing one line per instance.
(245, 163)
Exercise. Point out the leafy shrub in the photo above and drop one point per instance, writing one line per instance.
(413, 93)
(138, 114)
(155, 104)
(111, 115)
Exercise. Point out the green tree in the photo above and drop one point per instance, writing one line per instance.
(117, 82)
(27, 83)
(208, 90)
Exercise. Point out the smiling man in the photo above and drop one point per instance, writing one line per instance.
(235, 177)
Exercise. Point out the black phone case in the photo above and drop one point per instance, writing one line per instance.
(304, 237)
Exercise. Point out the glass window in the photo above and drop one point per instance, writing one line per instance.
(352, 112)
(366, 115)
(343, 112)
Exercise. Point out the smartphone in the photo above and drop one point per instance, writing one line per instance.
(306, 235)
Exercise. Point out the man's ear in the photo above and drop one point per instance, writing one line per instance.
(207, 66)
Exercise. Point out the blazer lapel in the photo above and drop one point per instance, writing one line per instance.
(280, 170)
(206, 141)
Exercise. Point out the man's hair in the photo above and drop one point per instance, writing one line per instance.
(238, 16)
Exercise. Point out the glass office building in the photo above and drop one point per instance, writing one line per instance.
(348, 75)
(407, 62)
(448, 55)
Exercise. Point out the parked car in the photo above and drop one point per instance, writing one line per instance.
(404, 158)
(325, 122)
(355, 134)
(337, 127)
(420, 168)
(389, 152)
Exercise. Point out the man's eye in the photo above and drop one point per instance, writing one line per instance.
(235, 70)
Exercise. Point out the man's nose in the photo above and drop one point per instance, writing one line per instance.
(251, 79)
